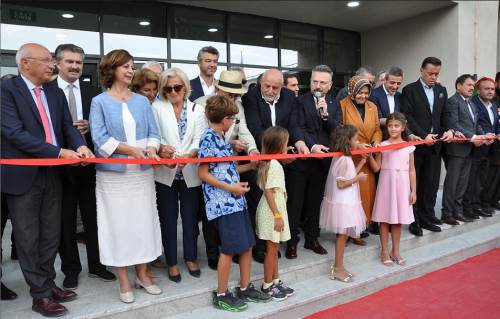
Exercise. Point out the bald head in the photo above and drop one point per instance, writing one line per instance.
(270, 85)
(35, 62)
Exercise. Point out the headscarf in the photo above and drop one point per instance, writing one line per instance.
(356, 83)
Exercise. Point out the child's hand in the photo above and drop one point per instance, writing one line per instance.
(279, 225)
(413, 198)
(362, 176)
(239, 189)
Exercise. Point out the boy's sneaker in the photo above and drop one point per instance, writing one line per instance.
(274, 292)
(251, 294)
(287, 290)
(228, 302)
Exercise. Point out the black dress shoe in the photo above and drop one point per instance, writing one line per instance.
(364, 234)
(450, 220)
(471, 215)
(7, 294)
(212, 263)
(488, 209)
(291, 251)
(195, 273)
(430, 226)
(48, 307)
(373, 229)
(103, 274)
(415, 229)
(463, 218)
(434, 220)
(62, 295)
(316, 247)
(70, 282)
(177, 278)
(483, 213)
(258, 256)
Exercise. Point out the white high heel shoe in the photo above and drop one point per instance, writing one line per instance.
(152, 289)
(126, 297)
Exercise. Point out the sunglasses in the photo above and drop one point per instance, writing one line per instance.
(177, 88)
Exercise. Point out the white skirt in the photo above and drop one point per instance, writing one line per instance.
(127, 217)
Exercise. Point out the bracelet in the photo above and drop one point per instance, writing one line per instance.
(277, 215)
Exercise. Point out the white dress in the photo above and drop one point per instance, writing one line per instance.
(127, 218)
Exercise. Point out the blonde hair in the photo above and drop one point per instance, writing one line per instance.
(274, 140)
(174, 73)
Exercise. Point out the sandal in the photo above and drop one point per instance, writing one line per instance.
(357, 241)
(387, 262)
(334, 276)
(399, 261)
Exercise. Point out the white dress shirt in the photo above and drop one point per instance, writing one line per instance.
(63, 85)
(272, 107)
(207, 90)
(489, 108)
(390, 100)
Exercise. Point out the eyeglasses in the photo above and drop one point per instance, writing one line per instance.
(177, 88)
(234, 118)
(44, 61)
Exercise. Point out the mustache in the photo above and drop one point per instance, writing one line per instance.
(74, 70)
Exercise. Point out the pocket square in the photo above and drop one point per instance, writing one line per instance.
(441, 95)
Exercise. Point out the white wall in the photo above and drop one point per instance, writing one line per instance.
(448, 34)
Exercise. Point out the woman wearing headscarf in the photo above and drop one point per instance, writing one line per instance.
(358, 111)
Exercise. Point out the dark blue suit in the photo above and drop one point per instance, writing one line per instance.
(34, 194)
(484, 176)
(379, 97)
(196, 89)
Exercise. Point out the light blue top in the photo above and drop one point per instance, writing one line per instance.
(429, 92)
(219, 202)
(31, 88)
(107, 130)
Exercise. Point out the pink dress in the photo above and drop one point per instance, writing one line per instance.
(341, 210)
(392, 202)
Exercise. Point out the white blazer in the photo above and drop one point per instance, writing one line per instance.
(169, 132)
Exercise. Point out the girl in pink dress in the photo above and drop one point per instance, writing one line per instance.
(341, 210)
(396, 191)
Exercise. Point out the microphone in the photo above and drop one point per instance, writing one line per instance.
(317, 96)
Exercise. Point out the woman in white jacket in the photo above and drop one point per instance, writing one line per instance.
(181, 124)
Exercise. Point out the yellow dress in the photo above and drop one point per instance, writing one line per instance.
(264, 217)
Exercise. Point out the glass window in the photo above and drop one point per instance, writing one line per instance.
(193, 71)
(138, 28)
(252, 40)
(253, 73)
(48, 27)
(192, 29)
(342, 50)
(299, 45)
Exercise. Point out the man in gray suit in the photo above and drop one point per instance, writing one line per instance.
(461, 117)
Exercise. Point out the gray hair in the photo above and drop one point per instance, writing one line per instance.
(323, 68)
(174, 73)
(59, 53)
(364, 70)
(22, 53)
(394, 71)
(151, 63)
(209, 49)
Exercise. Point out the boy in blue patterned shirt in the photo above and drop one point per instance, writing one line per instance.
(226, 206)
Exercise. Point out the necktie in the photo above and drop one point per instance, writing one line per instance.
(470, 109)
(72, 102)
(43, 115)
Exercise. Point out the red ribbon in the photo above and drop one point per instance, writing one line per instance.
(261, 157)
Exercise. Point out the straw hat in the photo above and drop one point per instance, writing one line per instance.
(230, 81)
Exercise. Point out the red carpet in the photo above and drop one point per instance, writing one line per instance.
(469, 289)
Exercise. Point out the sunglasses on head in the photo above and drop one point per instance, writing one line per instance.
(177, 88)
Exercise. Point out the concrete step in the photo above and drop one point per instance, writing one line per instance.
(100, 300)
(319, 292)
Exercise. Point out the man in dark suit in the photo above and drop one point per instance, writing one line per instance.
(386, 96)
(306, 178)
(204, 84)
(36, 123)
(78, 182)
(423, 102)
(460, 116)
(482, 175)
(266, 105)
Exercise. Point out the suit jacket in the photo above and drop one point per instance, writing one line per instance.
(196, 89)
(485, 124)
(167, 123)
(457, 117)
(258, 114)
(379, 97)
(237, 131)
(317, 130)
(368, 129)
(23, 135)
(421, 120)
